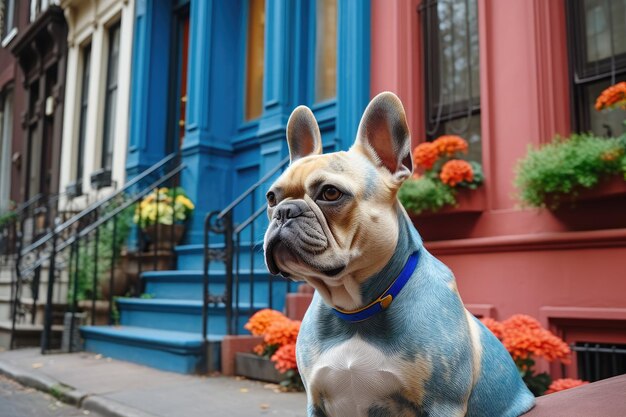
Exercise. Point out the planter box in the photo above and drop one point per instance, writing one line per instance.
(606, 189)
(452, 222)
(256, 367)
(468, 202)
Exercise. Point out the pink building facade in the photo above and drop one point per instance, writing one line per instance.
(564, 267)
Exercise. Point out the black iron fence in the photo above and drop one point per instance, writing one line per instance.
(596, 361)
(85, 256)
(233, 236)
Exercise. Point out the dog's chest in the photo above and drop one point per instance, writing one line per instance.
(354, 376)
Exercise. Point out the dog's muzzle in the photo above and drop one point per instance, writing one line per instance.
(294, 231)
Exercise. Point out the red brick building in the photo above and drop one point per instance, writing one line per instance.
(506, 75)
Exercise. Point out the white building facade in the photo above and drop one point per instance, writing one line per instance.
(95, 126)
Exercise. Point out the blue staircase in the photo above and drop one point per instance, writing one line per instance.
(163, 329)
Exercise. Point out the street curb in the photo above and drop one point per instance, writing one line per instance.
(111, 408)
(68, 394)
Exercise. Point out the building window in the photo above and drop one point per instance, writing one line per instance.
(596, 361)
(326, 50)
(597, 53)
(451, 70)
(6, 128)
(110, 99)
(84, 105)
(7, 14)
(254, 59)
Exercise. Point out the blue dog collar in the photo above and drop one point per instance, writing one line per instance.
(385, 299)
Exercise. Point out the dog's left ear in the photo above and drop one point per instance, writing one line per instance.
(384, 136)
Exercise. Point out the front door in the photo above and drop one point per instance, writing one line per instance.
(179, 78)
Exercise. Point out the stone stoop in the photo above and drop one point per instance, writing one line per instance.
(164, 329)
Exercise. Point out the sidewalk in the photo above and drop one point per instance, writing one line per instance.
(120, 389)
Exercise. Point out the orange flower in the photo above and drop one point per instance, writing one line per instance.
(563, 384)
(449, 144)
(612, 155)
(613, 96)
(456, 171)
(261, 320)
(425, 155)
(259, 349)
(285, 358)
(524, 337)
(494, 326)
(282, 333)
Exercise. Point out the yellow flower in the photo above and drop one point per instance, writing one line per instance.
(185, 201)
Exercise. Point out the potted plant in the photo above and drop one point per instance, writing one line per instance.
(274, 360)
(568, 169)
(440, 177)
(162, 214)
(526, 340)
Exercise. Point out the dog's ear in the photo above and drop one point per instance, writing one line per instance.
(303, 134)
(384, 137)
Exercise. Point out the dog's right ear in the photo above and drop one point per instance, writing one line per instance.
(383, 136)
(303, 134)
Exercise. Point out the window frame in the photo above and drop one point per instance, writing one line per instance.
(581, 74)
(110, 108)
(8, 25)
(313, 38)
(83, 106)
(431, 69)
(246, 120)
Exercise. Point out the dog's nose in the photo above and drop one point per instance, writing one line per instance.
(289, 210)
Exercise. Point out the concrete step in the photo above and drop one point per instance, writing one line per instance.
(181, 315)
(190, 256)
(27, 335)
(174, 351)
(187, 285)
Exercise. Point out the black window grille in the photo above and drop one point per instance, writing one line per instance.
(598, 361)
(110, 104)
(451, 70)
(597, 57)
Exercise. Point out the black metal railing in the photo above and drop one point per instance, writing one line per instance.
(223, 243)
(596, 361)
(80, 255)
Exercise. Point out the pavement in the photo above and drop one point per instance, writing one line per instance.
(19, 401)
(113, 388)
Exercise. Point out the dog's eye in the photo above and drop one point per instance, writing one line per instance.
(271, 198)
(330, 193)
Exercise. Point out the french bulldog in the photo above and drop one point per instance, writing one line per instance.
(386, 334)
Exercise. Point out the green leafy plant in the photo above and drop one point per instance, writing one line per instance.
(7, 217)
(439, 174)
(107, 246)
(425, 194)
(566, 166)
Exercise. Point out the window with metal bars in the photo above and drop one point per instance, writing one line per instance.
(597, 56)
(596, 361)
(451, 70)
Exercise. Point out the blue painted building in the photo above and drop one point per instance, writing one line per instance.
(217, 81)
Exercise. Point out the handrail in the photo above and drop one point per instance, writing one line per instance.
(250, 219)
(84, 232)
(96, 205)
(253, 187)
(221, 223)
